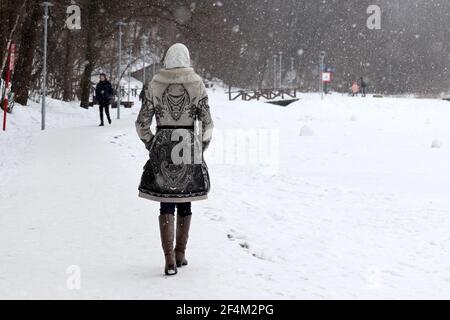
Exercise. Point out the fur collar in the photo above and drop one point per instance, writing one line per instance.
(178, 75)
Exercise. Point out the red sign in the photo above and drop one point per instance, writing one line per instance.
(327, 77)
(12, 56)
(11, 51)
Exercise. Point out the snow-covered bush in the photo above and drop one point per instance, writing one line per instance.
(306, 131)
(436, 144)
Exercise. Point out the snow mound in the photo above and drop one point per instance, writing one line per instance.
(436, 144)
(306, 131)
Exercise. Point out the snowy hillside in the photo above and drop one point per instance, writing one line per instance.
(345, 198)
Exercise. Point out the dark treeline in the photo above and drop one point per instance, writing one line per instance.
(235, 41)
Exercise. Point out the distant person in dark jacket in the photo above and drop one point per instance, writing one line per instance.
(103, 94)
(363, 86)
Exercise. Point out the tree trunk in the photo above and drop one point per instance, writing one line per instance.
(24, 68)
(17, 14)
(68, 70)
(90, 52)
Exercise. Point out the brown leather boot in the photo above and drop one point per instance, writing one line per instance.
(183, 225)
(167, 228)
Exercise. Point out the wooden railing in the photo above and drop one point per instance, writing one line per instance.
(256, 94)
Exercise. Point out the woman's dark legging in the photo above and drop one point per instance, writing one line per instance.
(183, 209)
(104, 107)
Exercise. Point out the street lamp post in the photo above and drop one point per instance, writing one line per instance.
(46, 5)
(129, 75)
(119, 93)
(281, 69)
(275, 71)
(321, 69)
(153, 62)
(143, 72)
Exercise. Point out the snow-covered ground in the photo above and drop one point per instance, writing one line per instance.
(346, 198)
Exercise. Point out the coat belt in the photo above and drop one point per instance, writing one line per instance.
(174, 127)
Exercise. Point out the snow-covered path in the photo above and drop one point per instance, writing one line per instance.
(74, 204)
(357, 210)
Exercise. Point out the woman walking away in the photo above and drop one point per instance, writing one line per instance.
(176, 173)
(103, 94)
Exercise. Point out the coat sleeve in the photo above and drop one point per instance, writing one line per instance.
(204, 115)
(144, 119)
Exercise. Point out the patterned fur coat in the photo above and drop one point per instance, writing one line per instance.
(176, 171)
